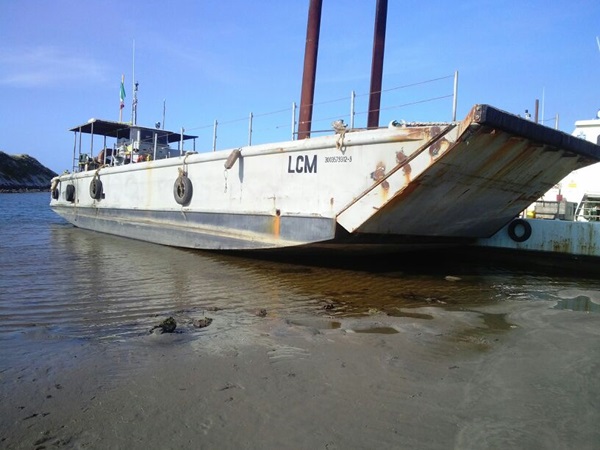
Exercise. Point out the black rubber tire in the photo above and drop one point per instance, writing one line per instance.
(524, 226)
(96, 189)
(70, 193)
(55, 193)
(183, 190)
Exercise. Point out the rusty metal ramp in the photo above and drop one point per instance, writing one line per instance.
(499, 165)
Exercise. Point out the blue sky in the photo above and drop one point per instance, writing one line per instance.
(61, 63)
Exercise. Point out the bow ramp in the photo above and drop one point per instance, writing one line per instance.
(470, 180)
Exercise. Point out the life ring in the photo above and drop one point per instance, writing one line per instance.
(96, 189)
(183, 190)
(70, 193)
(523, 233)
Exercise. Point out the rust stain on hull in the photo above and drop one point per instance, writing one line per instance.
(277, 224)
(379, 174)
(402, 161)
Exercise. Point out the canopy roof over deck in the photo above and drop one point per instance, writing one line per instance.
(123, 130)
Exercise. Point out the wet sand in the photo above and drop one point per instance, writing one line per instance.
(515, 375)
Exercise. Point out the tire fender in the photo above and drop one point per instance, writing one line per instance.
(96, 189)
(70, 193)
(519, 230)
(183, 190)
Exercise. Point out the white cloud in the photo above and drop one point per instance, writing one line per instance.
(45, 66)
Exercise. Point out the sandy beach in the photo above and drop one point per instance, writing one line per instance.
(508, 376)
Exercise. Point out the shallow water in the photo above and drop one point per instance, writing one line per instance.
(60, 281)
(76, 302)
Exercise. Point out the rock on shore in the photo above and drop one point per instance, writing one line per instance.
(22, 173)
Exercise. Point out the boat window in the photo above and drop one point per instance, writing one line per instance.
(146, 135)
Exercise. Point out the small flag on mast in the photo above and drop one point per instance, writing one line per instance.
(122, 93)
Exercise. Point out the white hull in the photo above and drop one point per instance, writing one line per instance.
(397, 186)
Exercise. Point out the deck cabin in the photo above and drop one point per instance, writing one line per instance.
(124, 143)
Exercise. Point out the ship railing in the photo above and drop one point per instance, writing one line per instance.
(589, 209)
(415, 101)
(420, 99)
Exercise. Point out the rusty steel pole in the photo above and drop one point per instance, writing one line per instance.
(377, 64)
(310, 69)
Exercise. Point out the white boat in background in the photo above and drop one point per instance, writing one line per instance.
(577, 196)
(565, 221)
(403, 186)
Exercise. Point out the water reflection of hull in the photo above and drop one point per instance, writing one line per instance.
(581, 303)
(98, 285)
(121, 286)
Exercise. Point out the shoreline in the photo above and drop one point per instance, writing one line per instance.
(25, 190)
(466, 379)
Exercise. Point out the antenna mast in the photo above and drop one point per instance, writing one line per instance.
(134, 89)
